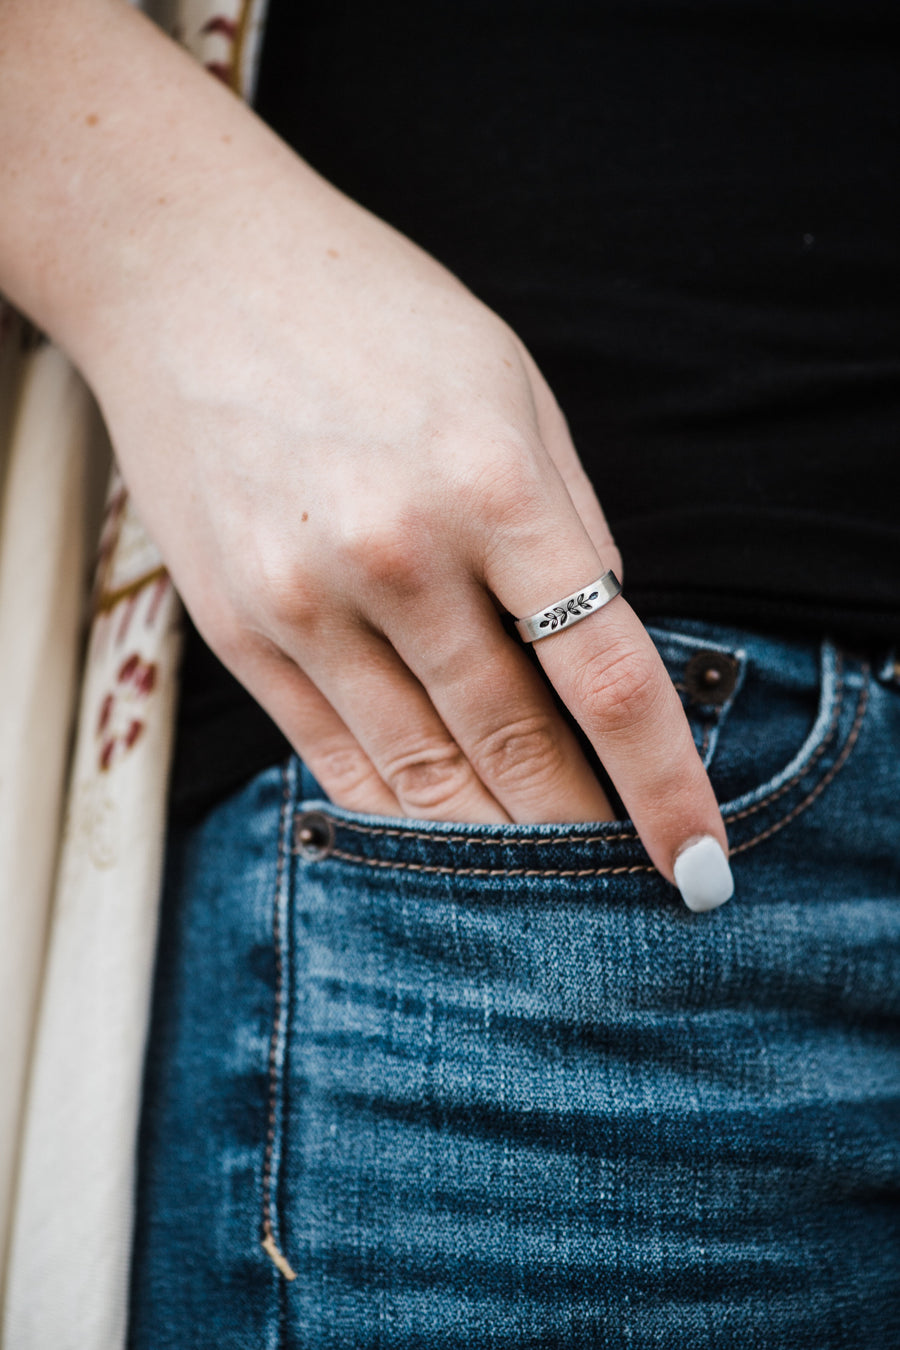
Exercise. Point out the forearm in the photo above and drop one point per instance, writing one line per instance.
(124, 166)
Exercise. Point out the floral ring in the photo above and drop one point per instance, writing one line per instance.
(571, 609)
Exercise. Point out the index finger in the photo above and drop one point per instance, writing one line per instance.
(609, 674)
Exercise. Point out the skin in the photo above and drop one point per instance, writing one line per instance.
(348, 462)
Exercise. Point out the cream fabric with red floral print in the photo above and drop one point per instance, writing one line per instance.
(55, 463)
(80, 868)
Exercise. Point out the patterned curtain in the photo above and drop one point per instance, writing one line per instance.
(87, 698)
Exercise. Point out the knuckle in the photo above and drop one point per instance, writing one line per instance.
(278, 587)
(233, 633)
(387, 553)
(621, 686)
(430, 779)
(344, 771)
(507, 487)
(342, 768)
(519, 752)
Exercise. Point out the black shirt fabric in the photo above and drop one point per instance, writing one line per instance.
(689, 210)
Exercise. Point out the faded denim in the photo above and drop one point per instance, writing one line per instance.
(495, 1088)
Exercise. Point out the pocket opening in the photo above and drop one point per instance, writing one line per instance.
(838, 684)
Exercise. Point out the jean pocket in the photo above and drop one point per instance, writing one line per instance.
(773, 721)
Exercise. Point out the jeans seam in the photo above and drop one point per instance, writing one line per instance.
(816, 754)
(267, 1240)
(823, 783)
(399, 865)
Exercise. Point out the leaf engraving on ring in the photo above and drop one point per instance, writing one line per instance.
(559, 614)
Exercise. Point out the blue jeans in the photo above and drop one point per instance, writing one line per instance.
(495, 1087)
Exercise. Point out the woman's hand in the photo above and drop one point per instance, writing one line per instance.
(341, 476)
(346, 461)
(349, 464)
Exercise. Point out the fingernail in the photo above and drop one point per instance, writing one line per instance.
(703, 876)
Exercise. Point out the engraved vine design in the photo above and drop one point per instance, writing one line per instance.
(558, 615)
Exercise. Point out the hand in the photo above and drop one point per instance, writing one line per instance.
(349, 463)
(347, 471)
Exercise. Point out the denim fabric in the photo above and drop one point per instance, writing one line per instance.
(495, 1087)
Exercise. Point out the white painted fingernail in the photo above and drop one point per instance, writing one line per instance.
(703, 876)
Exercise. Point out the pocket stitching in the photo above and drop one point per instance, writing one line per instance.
(494, 840)
(267, 1239)
(396, 864)
(807, 764)
(823, 782)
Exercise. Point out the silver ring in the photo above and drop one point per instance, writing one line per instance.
(572, 609)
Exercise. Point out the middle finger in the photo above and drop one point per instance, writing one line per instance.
(500, 711)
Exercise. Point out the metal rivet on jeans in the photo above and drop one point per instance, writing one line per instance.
(710, 677)
(313, 835)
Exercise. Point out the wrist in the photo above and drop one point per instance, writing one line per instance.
(123, 168)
